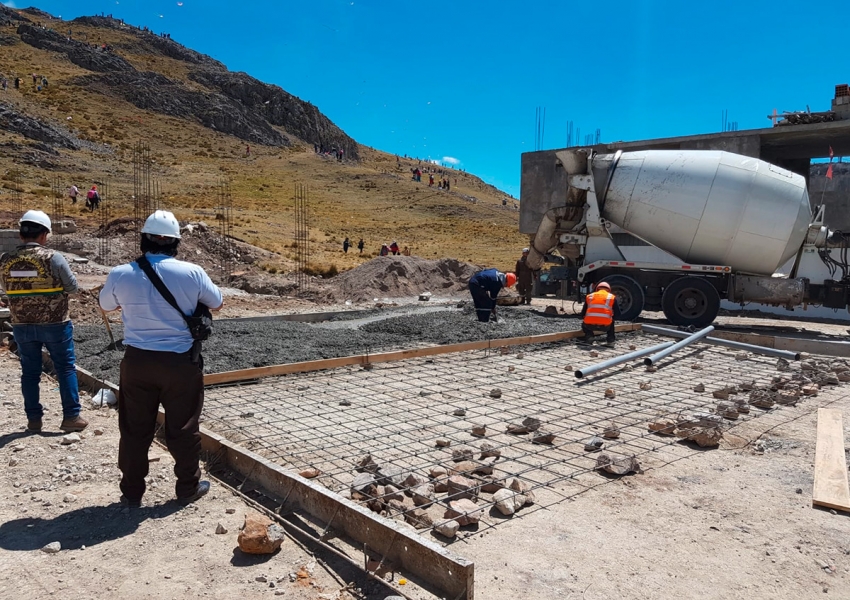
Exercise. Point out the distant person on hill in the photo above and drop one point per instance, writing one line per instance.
(247, 151)
(92, 198)
(17, 83)
(73, 192)
(361, 245)
(406, 251)
(448, 186)
(485, 287)
(431, 180)
(345, 245)
(384, 250)
(394, 248)
(341, 154)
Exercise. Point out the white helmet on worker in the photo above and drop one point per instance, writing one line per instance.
(525, 250)
(162, 223)
(37, 217)
(602, 285)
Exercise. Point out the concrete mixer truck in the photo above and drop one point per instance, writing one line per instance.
(679, 231)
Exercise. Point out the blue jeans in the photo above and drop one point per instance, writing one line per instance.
(59, 340)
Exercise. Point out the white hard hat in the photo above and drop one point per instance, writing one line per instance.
(162, 223)
(524, 250)
(36, 216)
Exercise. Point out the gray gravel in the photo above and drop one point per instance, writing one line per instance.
(236, 345)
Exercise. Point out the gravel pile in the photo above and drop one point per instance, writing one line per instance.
(242, 345)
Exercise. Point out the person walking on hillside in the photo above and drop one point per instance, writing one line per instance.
(598, 313)
(5, 84)
(524, 277)
(73, 192)
(162, 362)
(92, 199)
(394, 248)
(360, 245)
(345, 245)
(485, 287)
(384, 250)
(37, 281)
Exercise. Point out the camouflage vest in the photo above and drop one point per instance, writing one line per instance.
(36, 294)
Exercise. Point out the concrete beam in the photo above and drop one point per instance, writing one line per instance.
(825, 348)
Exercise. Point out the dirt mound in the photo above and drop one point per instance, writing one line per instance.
(397, 276)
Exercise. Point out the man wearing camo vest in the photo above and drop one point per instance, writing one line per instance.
(37, 282)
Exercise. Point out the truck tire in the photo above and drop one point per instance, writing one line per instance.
(630, 297)
(690, 301)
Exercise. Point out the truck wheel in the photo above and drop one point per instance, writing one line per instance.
(690, 301)
(629, 295)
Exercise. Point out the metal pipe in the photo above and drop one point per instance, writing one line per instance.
(786, 354)
(651, 360)
(611, 362)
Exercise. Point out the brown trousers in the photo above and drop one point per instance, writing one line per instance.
(149, 379)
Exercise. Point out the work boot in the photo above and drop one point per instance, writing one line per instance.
(73, 424)
(609, 344)
(200, 492)
(34, 426)
(125, 501)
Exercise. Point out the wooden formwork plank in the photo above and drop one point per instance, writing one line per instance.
(831, 487)
(362, 359)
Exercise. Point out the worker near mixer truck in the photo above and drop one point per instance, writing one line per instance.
(37, 281)
(485, 287)
(598, 313)
(524, 277)
(162, 362)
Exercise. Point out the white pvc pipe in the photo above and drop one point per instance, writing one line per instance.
(651, 360)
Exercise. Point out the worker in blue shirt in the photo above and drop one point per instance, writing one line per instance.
(159, 364)
(485, 287)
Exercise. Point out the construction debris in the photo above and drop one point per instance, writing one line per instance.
(489, 450)
(479, 430)
(464, 511)
(663, 427)
(611, 432)
(699, 388)
(594, 444)
(542, 437)
(609, 393)
(447, 528)
(495, 393)
(310, 473)
(618, 465)
(259, 535)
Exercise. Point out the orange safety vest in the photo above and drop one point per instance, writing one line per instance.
(600, 308)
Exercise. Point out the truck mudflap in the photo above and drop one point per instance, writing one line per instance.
(769, 290)
(650, 266)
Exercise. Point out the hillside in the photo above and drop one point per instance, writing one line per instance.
(198, 119)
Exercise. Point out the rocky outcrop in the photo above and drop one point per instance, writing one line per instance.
(16, 122)
(82, 54)
(11, 17)
(170, 48)
(278, 107)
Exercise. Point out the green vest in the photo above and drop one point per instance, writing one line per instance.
(36, 294)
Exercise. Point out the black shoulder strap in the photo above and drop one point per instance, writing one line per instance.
(146, 266)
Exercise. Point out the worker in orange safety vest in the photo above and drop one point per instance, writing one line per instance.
(598, 313)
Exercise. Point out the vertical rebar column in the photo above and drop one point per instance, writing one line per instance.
(224, 216)
(58, 200)
(142, 189)
(302, 236)
(17, 203)
(104, 245)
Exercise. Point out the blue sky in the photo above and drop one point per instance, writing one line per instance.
(462, 79)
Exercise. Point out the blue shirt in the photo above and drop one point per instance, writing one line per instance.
(491, 280)
(151, 323)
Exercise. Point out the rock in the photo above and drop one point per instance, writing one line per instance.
(531, 423)
(446, 529)
(464, 511)
(663, 427)
(491, 485)
(762, 399)
(17, 448)
(787, 398)
(704, 419)
(71, 438)
(442, 443)
(708, 437)
(550, 310)
(479, 430)
(523, 489)
(69, 498)
(423, 495)
(438, 472)
(441, 485)
(609, 393)
(748, 386)
(593, 444)
(783, 365)
(511, 369)
(632, 347)
(413, 480)
(259, 535)
(470, 466)
(310, 473)
(508, 501)
(98, 430)
(520, 355)
(504, 350)
(645, 386)
(396, 507)
(230, 511)
(495, 393)
(13, 462)
(459, 486)
(459, 412)
(367, 464)
(651, 369)
(418, 518)
(515, 429)
(810, 389)
(364, 485)
(542, 437)
(52, 548)
(220, 529)
(391, 474)
(345, 402)
(611, 432)
(742, 356)
(727, 410)
(725, 392)
(261, 579)
(618, 465)
(461, 454)
(843, 376)
(742, 407)
(699, 388)
(391, 492)
(696, 366)
(594, 354)
(489, 450)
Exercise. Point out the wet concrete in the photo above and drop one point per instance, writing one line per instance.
(242, 345)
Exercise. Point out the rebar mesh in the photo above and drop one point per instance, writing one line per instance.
(397, 412)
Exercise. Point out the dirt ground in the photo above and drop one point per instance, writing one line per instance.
(51, 492)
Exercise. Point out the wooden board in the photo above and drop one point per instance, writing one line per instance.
(831, 487)
(362, 359)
